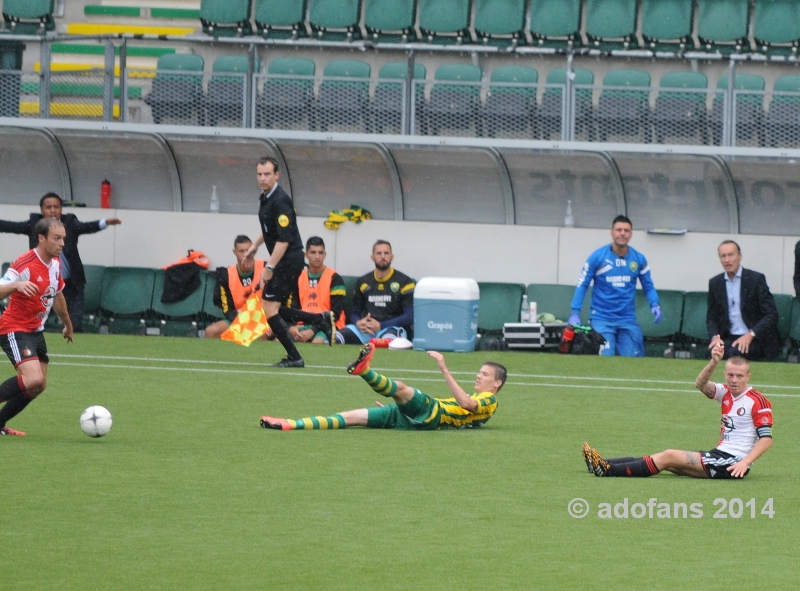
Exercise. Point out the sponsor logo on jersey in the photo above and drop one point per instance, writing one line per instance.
(634, 266)
(395, 287)
(379, 301)
(439, 326)
(283, 221)
(48, 295)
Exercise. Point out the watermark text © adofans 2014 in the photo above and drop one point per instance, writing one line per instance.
(653, 508)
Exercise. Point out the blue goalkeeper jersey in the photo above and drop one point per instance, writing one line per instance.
(614, 293)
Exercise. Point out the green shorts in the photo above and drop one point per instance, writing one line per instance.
(419, 413)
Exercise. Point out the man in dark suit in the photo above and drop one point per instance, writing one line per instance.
(741, 309)
(71, 264)
(797, 270)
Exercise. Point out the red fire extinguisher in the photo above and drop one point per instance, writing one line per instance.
(105, 194)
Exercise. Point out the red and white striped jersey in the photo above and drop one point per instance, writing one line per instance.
(742, 417)
(28, 314)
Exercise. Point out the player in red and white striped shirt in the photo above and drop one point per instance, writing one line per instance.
(746, 431)
(34, 284)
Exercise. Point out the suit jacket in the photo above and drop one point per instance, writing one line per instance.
(758, 310)
(74, 229)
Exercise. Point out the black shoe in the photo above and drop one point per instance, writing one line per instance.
(327, 325)
(286, 362)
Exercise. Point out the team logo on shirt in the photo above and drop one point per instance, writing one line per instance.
(634, 266)
(26, 352)
(394, 286)
(741, 411)
(283, 221)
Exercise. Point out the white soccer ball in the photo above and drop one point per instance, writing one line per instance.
(96, 421)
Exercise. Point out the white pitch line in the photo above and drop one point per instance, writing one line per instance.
(422, 371)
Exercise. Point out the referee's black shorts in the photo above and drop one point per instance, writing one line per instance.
(284, 279)
(24, 346)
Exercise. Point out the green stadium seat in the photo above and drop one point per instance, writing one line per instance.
(550, 113)
(624, 112)
(226, 18)
(280, 19)
(556, 23)
(777, 26)
(286, 100)
(722, 25)
(342, 102)
(225, 97)
(681, 114)
(783, 303)
(210, 312)
(452, 106)
(178, 319)
(749, 108)
(335, 19)
(92, 297)
(385, 109)
(509, 108)
(350, 288)
(390, 21)
(782, 123)
(28, 17)
(667, 24)
(553, 299)
(500, 22)
(126, 298)
(499, 303)
(671, 315)
(174, 95)
(611, 24)
(445, 21)
(695, 309)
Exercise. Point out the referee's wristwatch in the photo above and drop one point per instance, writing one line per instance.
(271, 269)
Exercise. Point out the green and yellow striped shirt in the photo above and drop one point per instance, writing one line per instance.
(452, 416)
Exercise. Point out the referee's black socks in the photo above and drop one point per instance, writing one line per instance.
(281, 332)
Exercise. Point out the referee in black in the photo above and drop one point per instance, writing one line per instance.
(286, 261)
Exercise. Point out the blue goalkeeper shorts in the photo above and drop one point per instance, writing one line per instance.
(623, 338)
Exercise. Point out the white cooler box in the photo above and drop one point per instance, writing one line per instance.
(526, 335)
(446, 314)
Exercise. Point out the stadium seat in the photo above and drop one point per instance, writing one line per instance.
(667, 24)
(671, 311)
(390, 20)
(777, 26)
(550, 113)
(624, 112)
(342, 102)
(92, 294)
(749, 108)
(782, 123)
(509, 108)
(280, 19)
(794, 329)
(178, 319)
(177, 96)
(681, 114)
(499, 303)
(126, 298)
(28, 17)
(783, 303)
(225, 98)
(722, 25)
(695, 308)
(556, 23)
(386, 107)
(452, 106)
(500, 22)
(335, 19)
(350, 288)
(445, 21)
(210, 312)
(553, 299)
(226, 18)
(286, 100)
(611, 24)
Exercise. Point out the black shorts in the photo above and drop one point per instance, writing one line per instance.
(284, 279)
(716, 463)
(24, 346)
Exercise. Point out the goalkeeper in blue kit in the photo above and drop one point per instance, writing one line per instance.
(614, 269)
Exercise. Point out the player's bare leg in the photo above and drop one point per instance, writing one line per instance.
(684, 463)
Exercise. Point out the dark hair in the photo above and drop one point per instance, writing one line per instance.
(739, 360)
(500, 372)
(42, 227)
(271, 160)
(379, 242)
(621, 218)
(739, 250)
(315, 241)
(50, 195)
(240, 239)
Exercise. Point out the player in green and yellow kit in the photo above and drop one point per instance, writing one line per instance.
(412, 409)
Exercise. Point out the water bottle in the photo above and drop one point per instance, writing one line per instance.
(525, 312)
(569, 220)
(534, 312)
(669, 352)
(566, 340)
(214, 200)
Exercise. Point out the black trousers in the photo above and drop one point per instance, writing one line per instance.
(755, 352)
(73, 294)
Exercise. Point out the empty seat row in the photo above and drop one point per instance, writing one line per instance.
(722, 25)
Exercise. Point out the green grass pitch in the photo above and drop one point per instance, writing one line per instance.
(187, 492)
